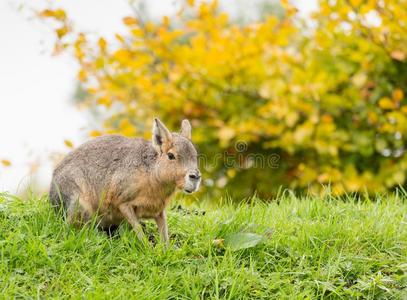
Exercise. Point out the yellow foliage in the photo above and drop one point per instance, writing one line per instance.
(386, 103)
(102, 44)
(104, 101)
(398, 95)
(68, 143)
(328, 99)
(6, 162)
(58, 14)
(95, 133)
(126, 128)
(130, 21)
(82, 75)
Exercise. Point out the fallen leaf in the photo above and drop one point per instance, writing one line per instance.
(243, 240)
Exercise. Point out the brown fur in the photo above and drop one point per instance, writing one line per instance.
(116, 178)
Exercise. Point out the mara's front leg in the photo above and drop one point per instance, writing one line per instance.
(127, 210)
(161, 220)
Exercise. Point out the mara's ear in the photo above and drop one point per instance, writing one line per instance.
(186, 129)
(161, 135)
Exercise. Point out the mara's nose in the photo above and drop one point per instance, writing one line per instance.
(194, 175)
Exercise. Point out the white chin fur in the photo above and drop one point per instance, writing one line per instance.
(191, 187)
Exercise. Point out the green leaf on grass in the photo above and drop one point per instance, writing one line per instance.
(243, 240)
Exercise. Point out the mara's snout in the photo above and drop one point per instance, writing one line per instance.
(192, 181)
(116, 178)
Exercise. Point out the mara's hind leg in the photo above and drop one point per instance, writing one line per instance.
(59, 198)
(77, 214)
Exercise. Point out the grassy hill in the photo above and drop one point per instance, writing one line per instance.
(291, 248)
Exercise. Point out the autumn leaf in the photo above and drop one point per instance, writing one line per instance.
(398, 55)
(47, 13)
(126, 128)
(130, 21)
(226, 133)
(119, 37)
(231, 173)
(5, 162)
(68, 143)
(386, 103)
(95, 133)
(102, 44)
(58, 14)
(104, 101)
(82, 75)
(61, 32)
(166, 21)
(398, 95)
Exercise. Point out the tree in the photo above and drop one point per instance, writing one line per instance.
(286, 102)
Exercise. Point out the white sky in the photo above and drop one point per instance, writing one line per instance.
(35, 87)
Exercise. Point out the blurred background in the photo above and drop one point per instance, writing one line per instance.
(304, 95)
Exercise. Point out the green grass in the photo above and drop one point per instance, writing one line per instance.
(312, 248)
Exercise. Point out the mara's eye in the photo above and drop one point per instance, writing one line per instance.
(171, 156)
